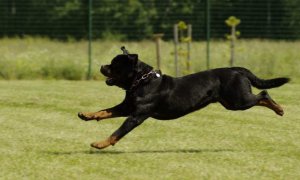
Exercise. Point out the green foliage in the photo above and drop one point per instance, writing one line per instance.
(67, 8)
(42, 137)
(232, 21)
(110, 36)
(139, 19)
(183, 35)
(182, 25)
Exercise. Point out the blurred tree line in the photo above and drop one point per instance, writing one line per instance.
(139, 19)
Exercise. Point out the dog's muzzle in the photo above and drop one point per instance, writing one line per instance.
(105, 70)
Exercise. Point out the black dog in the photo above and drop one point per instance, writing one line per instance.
(150, 94)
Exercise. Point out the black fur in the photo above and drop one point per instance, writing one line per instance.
(260, 83)
(166, 97)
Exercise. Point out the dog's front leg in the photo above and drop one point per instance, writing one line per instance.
(103, 114)
(117, 111)
(129, 124)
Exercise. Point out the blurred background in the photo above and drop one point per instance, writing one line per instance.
(69, 39)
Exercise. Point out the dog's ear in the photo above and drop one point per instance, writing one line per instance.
(134, 58)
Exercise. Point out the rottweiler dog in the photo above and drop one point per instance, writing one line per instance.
(152, 94)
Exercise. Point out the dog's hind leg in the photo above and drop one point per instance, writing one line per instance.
(237, 95)
(240, 103)
(268, 102)
(249, 100)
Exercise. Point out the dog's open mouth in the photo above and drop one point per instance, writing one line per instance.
(110, 81)
(106, 72)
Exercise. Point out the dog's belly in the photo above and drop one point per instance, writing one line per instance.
(167, 116)
(174, 113)
(180, 108)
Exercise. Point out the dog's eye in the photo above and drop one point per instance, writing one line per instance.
(115, 70)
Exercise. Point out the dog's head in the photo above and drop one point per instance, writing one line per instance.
(122, 70)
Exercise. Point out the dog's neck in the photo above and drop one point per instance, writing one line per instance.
(142, 68)
(143, 75)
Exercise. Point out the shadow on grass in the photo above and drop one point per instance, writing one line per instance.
(139, 152)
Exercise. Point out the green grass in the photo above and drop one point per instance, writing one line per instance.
(42, 138)
(38, 58)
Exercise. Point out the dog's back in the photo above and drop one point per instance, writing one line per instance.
(229, 86)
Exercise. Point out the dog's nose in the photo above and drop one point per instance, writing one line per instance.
(104, 69)
(101, 68)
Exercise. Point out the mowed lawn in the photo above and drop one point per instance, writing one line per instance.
(42, 138)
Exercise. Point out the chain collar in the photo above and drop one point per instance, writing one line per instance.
(145, 76)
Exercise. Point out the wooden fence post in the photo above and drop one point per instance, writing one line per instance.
(175, 50)
(157, 38)
(189, 48)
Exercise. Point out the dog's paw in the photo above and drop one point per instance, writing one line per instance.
(85, 116)
(100, 145)
(279, 111)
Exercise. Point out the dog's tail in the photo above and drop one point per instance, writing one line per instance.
(261, 83)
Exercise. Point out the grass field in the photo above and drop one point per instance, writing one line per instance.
(38, 58)
(42, 138)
